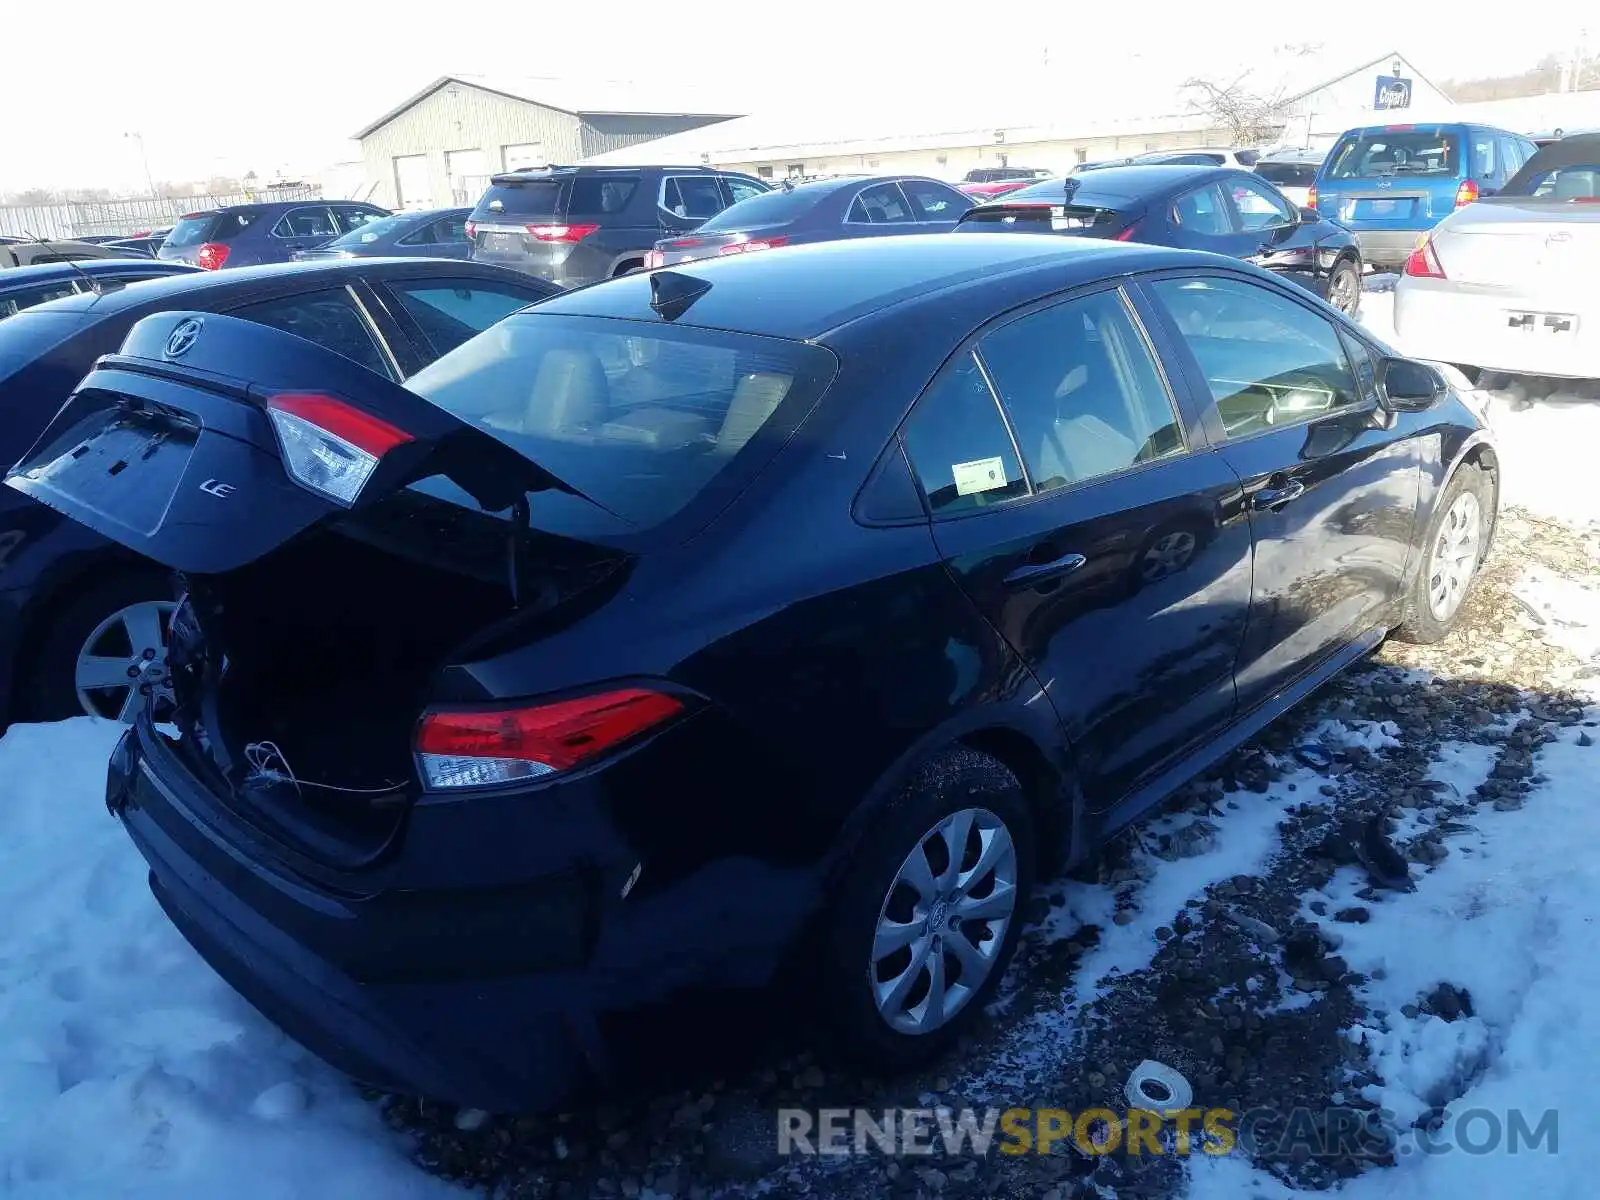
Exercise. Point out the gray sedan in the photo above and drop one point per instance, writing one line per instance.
(434, 233)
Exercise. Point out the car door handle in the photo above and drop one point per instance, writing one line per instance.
(1036, 573)
(1269, 498)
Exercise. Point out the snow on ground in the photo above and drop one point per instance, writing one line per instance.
(128, 1069)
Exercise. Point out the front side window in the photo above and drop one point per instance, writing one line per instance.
(451, 312)
(958, 444)
(1258, 207)
(692, 197)
(305, 223)
(1203, 211)
(742, 189)
(1083, 390)
(1267, 360)
(329, 318)
(350, 218)
(880, 204)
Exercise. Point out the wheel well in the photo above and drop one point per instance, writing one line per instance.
(626, 265)
(1041, 783)
(1486, 460)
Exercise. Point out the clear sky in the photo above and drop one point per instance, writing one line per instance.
(239, 86)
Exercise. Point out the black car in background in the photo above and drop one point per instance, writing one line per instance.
(247, 235)
(789, 609)
(826, 210)
(1192, 207)
(83, 622)
(23, 287)
(574, 225)
(429, 233)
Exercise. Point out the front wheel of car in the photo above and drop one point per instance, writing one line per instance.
(927, 914)
(1458, 535)
(1344, 287)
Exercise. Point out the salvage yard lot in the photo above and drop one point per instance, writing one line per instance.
(1231, 938)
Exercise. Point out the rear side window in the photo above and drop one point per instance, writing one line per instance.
(742, 189)
(693, 197)
(958, 444)
(602, 195)
(523, 198)
(305, 223)
(640, 417)
(1485, 160)
(1288, 174)
(192, 231)
(1204, 210)
(1577, 182)
(329, 318)
(777, 207)
(881, 204)
(1375, 152)
(14, 302)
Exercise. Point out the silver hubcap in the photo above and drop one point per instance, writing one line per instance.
(943, 922)
(1455, 556)
(124, 659)
(1345, 287)
(1170, 553)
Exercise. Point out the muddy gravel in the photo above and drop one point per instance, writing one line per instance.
(1244, 995)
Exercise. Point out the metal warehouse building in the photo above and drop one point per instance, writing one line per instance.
(441, 145)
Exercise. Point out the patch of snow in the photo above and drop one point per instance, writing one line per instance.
(1567, 611)
(127, 1068)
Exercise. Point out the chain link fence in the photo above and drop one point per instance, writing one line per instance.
(127, 217)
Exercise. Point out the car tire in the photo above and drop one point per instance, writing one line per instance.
(1458, 535)
(960, 790)
(47, 688)
(1344, 287)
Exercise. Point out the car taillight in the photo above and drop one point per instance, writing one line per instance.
(770, 243)
(1311, 196)
(654, 259)
(1127, 234)
(472, 230)
(329, 446)
(212, 255)
(561, 233)
(1467, 192)
(480, 749)
(1423, 262)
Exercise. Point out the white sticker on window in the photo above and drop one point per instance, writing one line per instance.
(980, 475)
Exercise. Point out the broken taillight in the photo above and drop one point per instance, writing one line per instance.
(329, 446)
(482, 749)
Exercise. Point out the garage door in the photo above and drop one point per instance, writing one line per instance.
(412, 187)
(469, 174)
(522, 156)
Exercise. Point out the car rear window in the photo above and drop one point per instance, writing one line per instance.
(1372, 153)
(523, 198)
(1288, 174)
(640, 418)
(191, 231)
(770, 208)
(1572, 182)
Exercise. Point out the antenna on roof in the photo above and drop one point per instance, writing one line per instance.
(672, 292)
(90, 280)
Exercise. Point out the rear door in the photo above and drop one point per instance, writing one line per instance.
(1331, 493)
(304, 227)
(1072, 500)
(1203, 218)
(685, 201)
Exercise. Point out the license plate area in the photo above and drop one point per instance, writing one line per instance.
(1542, 324)
(499, 241)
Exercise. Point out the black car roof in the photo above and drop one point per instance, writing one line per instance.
(161, 289)
(50, 272)
(803, 292)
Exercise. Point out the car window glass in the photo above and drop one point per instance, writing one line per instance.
(14, 302)
(1202, 211)
(1083, 391)
(1365, 365)
(1257, 207)
(1267, 360)
(1376, 152)
(742, 189)
(933, 201)
(330, 319)
(693, 197)
(600, 195)
(305, 222)
(1576, 182)
(450, 312)
(1483, 156)
(880, 204)
(355, 218)
(959, 446)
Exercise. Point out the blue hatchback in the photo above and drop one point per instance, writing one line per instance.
(248, 235)
(1390, 183)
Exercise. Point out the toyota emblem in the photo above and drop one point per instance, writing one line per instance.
(183, 338)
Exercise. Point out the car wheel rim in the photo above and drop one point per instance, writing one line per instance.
(1344, 290)
(943, 921)
(1455, 556)
(124, 659)
(1169, 554)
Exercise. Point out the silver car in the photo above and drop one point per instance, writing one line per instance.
(1508, 283)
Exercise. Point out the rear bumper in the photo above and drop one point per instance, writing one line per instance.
(1459, 323)
(1386, 249)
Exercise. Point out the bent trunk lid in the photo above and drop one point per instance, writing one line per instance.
(1522, 242)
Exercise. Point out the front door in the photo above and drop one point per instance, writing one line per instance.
(1070, 502)
(1331, 492)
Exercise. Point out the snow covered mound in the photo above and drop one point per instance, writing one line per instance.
(127, 1068)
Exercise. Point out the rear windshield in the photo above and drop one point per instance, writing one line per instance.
(776, 207)
(563, 197)
(1288, 174)
(365, 235)
(1089, 194)
(529, 198)
(1378, 152)
(640, 418)
(209, 227)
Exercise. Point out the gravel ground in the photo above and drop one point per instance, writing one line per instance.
(1243, 996)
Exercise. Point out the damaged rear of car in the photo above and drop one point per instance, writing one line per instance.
(403, 714)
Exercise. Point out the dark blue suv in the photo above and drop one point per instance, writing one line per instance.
(246, 235)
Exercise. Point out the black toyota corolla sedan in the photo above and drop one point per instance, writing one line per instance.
(1191, 207)
(793, 610)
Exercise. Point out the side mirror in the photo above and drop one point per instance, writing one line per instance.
(1409, 386)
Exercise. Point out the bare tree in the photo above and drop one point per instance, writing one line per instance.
(1246, 106)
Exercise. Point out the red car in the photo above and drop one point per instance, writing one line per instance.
(985, 183)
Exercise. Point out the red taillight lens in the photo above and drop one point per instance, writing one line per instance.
(1423, 262)
(1128, 234)
(212, 255)
(1467, 192)
(472, 230)
(770, 243)
(1311, 196)
(479, 749)
(329, 446)
(654, 259)
(561, 233)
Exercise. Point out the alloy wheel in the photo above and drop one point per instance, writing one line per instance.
(123, 659)
(943, 922)
(1455, 556)
(1344, 289)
